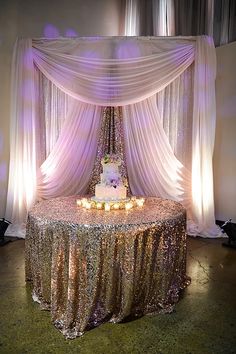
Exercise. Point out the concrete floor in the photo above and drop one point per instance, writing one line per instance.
(204, 320)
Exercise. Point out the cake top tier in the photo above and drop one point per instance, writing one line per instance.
(111, 159)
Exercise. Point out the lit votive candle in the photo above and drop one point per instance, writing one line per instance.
(84, 202)
(116, 206)
(88, 205)
(99, 205)
(107, 207)
(140, 202)
(78, 202)
(128, 206)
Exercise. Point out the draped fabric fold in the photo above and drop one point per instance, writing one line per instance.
(149, 154)
(108, 71)
(68, 167)
(114, 82)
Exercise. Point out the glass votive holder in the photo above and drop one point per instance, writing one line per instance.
(140, 202)
(88, 205)
(128, 206)
(107, 207)
(79, 202)
(116, 206)
(84, 202)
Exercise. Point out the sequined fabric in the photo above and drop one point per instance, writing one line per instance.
(111, 141)
(93, 266)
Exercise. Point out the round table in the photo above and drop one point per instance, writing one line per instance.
(93, 266)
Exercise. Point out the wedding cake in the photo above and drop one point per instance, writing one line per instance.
(111, 186)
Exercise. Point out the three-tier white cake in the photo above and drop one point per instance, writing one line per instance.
(111, 187)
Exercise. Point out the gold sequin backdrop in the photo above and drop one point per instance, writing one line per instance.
(111, 141)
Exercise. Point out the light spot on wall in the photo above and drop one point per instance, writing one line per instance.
(3, 171)
(70, 32)
(51, 31)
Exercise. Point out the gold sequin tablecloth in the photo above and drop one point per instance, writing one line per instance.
(93, 266)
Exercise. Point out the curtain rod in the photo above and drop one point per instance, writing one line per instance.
(94, 38)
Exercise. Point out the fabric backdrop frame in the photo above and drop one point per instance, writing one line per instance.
(111, 71)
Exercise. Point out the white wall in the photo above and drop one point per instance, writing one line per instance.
(225, 142)
(39, 18)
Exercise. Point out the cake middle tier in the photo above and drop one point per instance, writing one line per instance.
(110, 193)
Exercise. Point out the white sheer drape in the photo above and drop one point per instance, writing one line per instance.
(149, 154)
(175, 105)
(67, 169)
(53, 111)
(23, 156)
(99, 72)
(203, 138)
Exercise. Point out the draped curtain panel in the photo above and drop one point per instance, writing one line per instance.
(59, 90)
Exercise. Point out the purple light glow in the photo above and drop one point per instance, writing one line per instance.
(202, 74)
(3, 171)
(127, 49)
(25, 120)
(70, 32)
(89, 54)
(27, 90)
(209, 40)
(206, 72)
(28, 58)
(51, 31)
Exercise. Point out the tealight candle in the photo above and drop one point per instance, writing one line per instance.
(116, 206)
(128, 206)
(99, 205)
(140, 202)
(78, 202)
(84, 202)
(107, 207)
(88, 205)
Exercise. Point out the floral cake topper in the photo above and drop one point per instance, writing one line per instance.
(111, 158)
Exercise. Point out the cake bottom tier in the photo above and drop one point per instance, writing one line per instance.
(110, 193)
